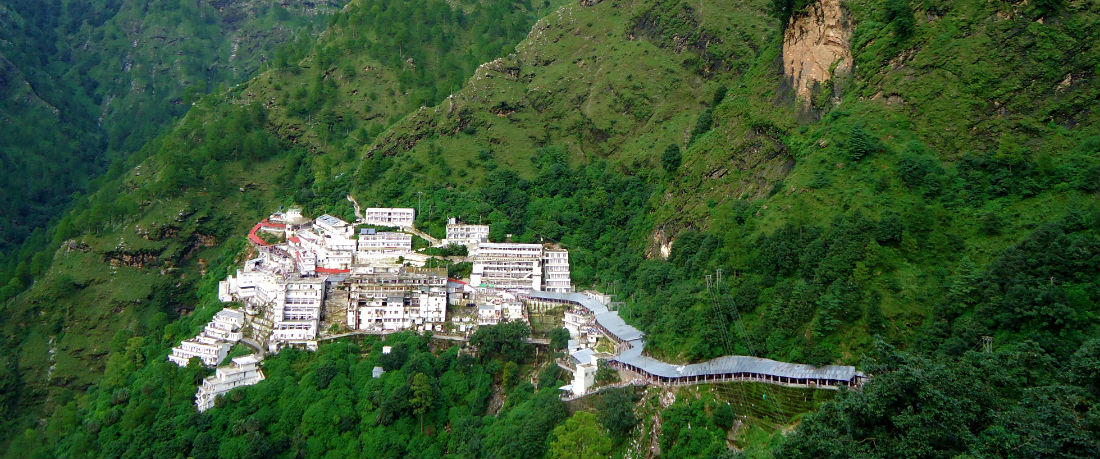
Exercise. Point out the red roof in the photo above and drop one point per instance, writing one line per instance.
(332, 271)
(254, 238)
(294, 239)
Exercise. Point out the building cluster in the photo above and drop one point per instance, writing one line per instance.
(213, 343)
(287, 304)
(390, 299)
(300, 264)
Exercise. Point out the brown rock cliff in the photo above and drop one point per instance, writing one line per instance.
(813, 43)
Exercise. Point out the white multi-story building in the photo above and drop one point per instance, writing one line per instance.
(214, 342)
(577, 320)
(397, 299)
(208, 349)
(226, 325)
(242, 371)
(295, 312)
(507, 266)
(302, 298)
(384, 244)
(465, 234)
(555, 271)
(290, 303)
(499, 311)
(489, 314)
(293, 332)
(390, 216)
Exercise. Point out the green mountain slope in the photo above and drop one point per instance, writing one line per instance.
(87, 83)
(132, 254)
(936, 201)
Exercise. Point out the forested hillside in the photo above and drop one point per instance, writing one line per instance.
(86, 83)
(136, 249)
(928, 211)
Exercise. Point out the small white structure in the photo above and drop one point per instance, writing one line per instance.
(400, 217)
(242, 371)
(465, 234)
(488, 314)
(584, 374)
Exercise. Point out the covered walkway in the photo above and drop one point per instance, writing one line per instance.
(730, 368)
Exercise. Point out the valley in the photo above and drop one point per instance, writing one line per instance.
(895, 197)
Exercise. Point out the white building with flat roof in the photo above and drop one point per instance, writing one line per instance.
(226, 325)
(465, 234)
(555, 271)
(242, 371)
(373, 245)
(333, 226)
(295, 312)
(209, 350)
(213, 343)
(401, 217)
(585, 365)
(507, 266)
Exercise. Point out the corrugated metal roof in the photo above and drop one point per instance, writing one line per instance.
(331, 220)
(615, 325)
(635, 344)
(582, 356)
(737, 364)
(588, 302)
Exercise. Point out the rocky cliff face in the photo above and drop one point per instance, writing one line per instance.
(815, 47)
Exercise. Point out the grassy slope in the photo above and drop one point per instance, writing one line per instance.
(587, 81)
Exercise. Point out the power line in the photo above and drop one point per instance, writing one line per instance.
(723, 328)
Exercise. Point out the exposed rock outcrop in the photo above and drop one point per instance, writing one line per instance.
(816, 47)
(134, 259)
